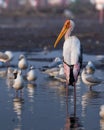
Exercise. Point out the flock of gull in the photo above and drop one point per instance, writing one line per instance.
(15, 76)
(54, 70)
(66, 71)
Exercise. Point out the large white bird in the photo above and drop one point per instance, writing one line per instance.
(22, 64)
(6, 57)
(90, 79)
(31, 75)
(72, 53)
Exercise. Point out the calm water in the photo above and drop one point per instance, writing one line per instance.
(45, 105)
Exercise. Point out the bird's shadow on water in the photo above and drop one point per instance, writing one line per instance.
(72, 120)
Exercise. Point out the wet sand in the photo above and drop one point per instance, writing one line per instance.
(31, 33)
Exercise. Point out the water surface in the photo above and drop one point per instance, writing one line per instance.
(44, 105)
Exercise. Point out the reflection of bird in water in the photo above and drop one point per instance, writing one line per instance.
(72, 121)
(101, 113)
(17, 106)
(31, 75)
(22, 64)
(101, 124)
(72, 53)
(89, 98)
(18, 83)
(90, 79)
(30, 89)
(90, 68)
(6, 57)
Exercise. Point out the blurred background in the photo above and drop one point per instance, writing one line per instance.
(22, 23)
(49, 6)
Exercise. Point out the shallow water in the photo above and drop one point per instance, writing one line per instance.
(45, 105)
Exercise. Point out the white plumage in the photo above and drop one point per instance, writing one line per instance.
(5, 57)
(71, 50)
(90, 79)
(18, 82)
(22, 64)
(31, 75)
(101, 113)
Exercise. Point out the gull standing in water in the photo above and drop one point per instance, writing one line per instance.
(22, 64)
(72, 53)
(90, 79)
(18, 83)
(101, 113)
(6, 57)
(31, 75)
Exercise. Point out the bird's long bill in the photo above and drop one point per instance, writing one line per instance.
(63, 31)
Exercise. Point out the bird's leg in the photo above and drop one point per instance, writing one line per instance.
(90, 88)
(74, 99)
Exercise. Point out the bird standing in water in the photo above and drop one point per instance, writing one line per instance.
(72, 53)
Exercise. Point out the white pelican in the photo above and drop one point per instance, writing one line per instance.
(90, 67)
(72, 53)
(6, 57)
(90, 79)
(22, 64)
(18, 83)
(101, 113)
(31, 75)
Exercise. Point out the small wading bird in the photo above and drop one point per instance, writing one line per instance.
(90, 79)
(18, 83)
(72, 53)
(22, 64)
(31, 75)
(101, 113)
(6, 57)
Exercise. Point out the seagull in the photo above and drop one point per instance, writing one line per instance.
(6, 57)
(31, 75)
(90, 79)
(72, 53)
(53, 68)
(11, 75)
(90, 67)
(101, 113)
(55, 63)
(22, 64)
(61, 75)
(18, 83)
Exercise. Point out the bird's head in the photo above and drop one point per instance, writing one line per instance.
(66, 26)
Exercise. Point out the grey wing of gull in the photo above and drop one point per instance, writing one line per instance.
(61, 78)
(3, 56)
(93, 79)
